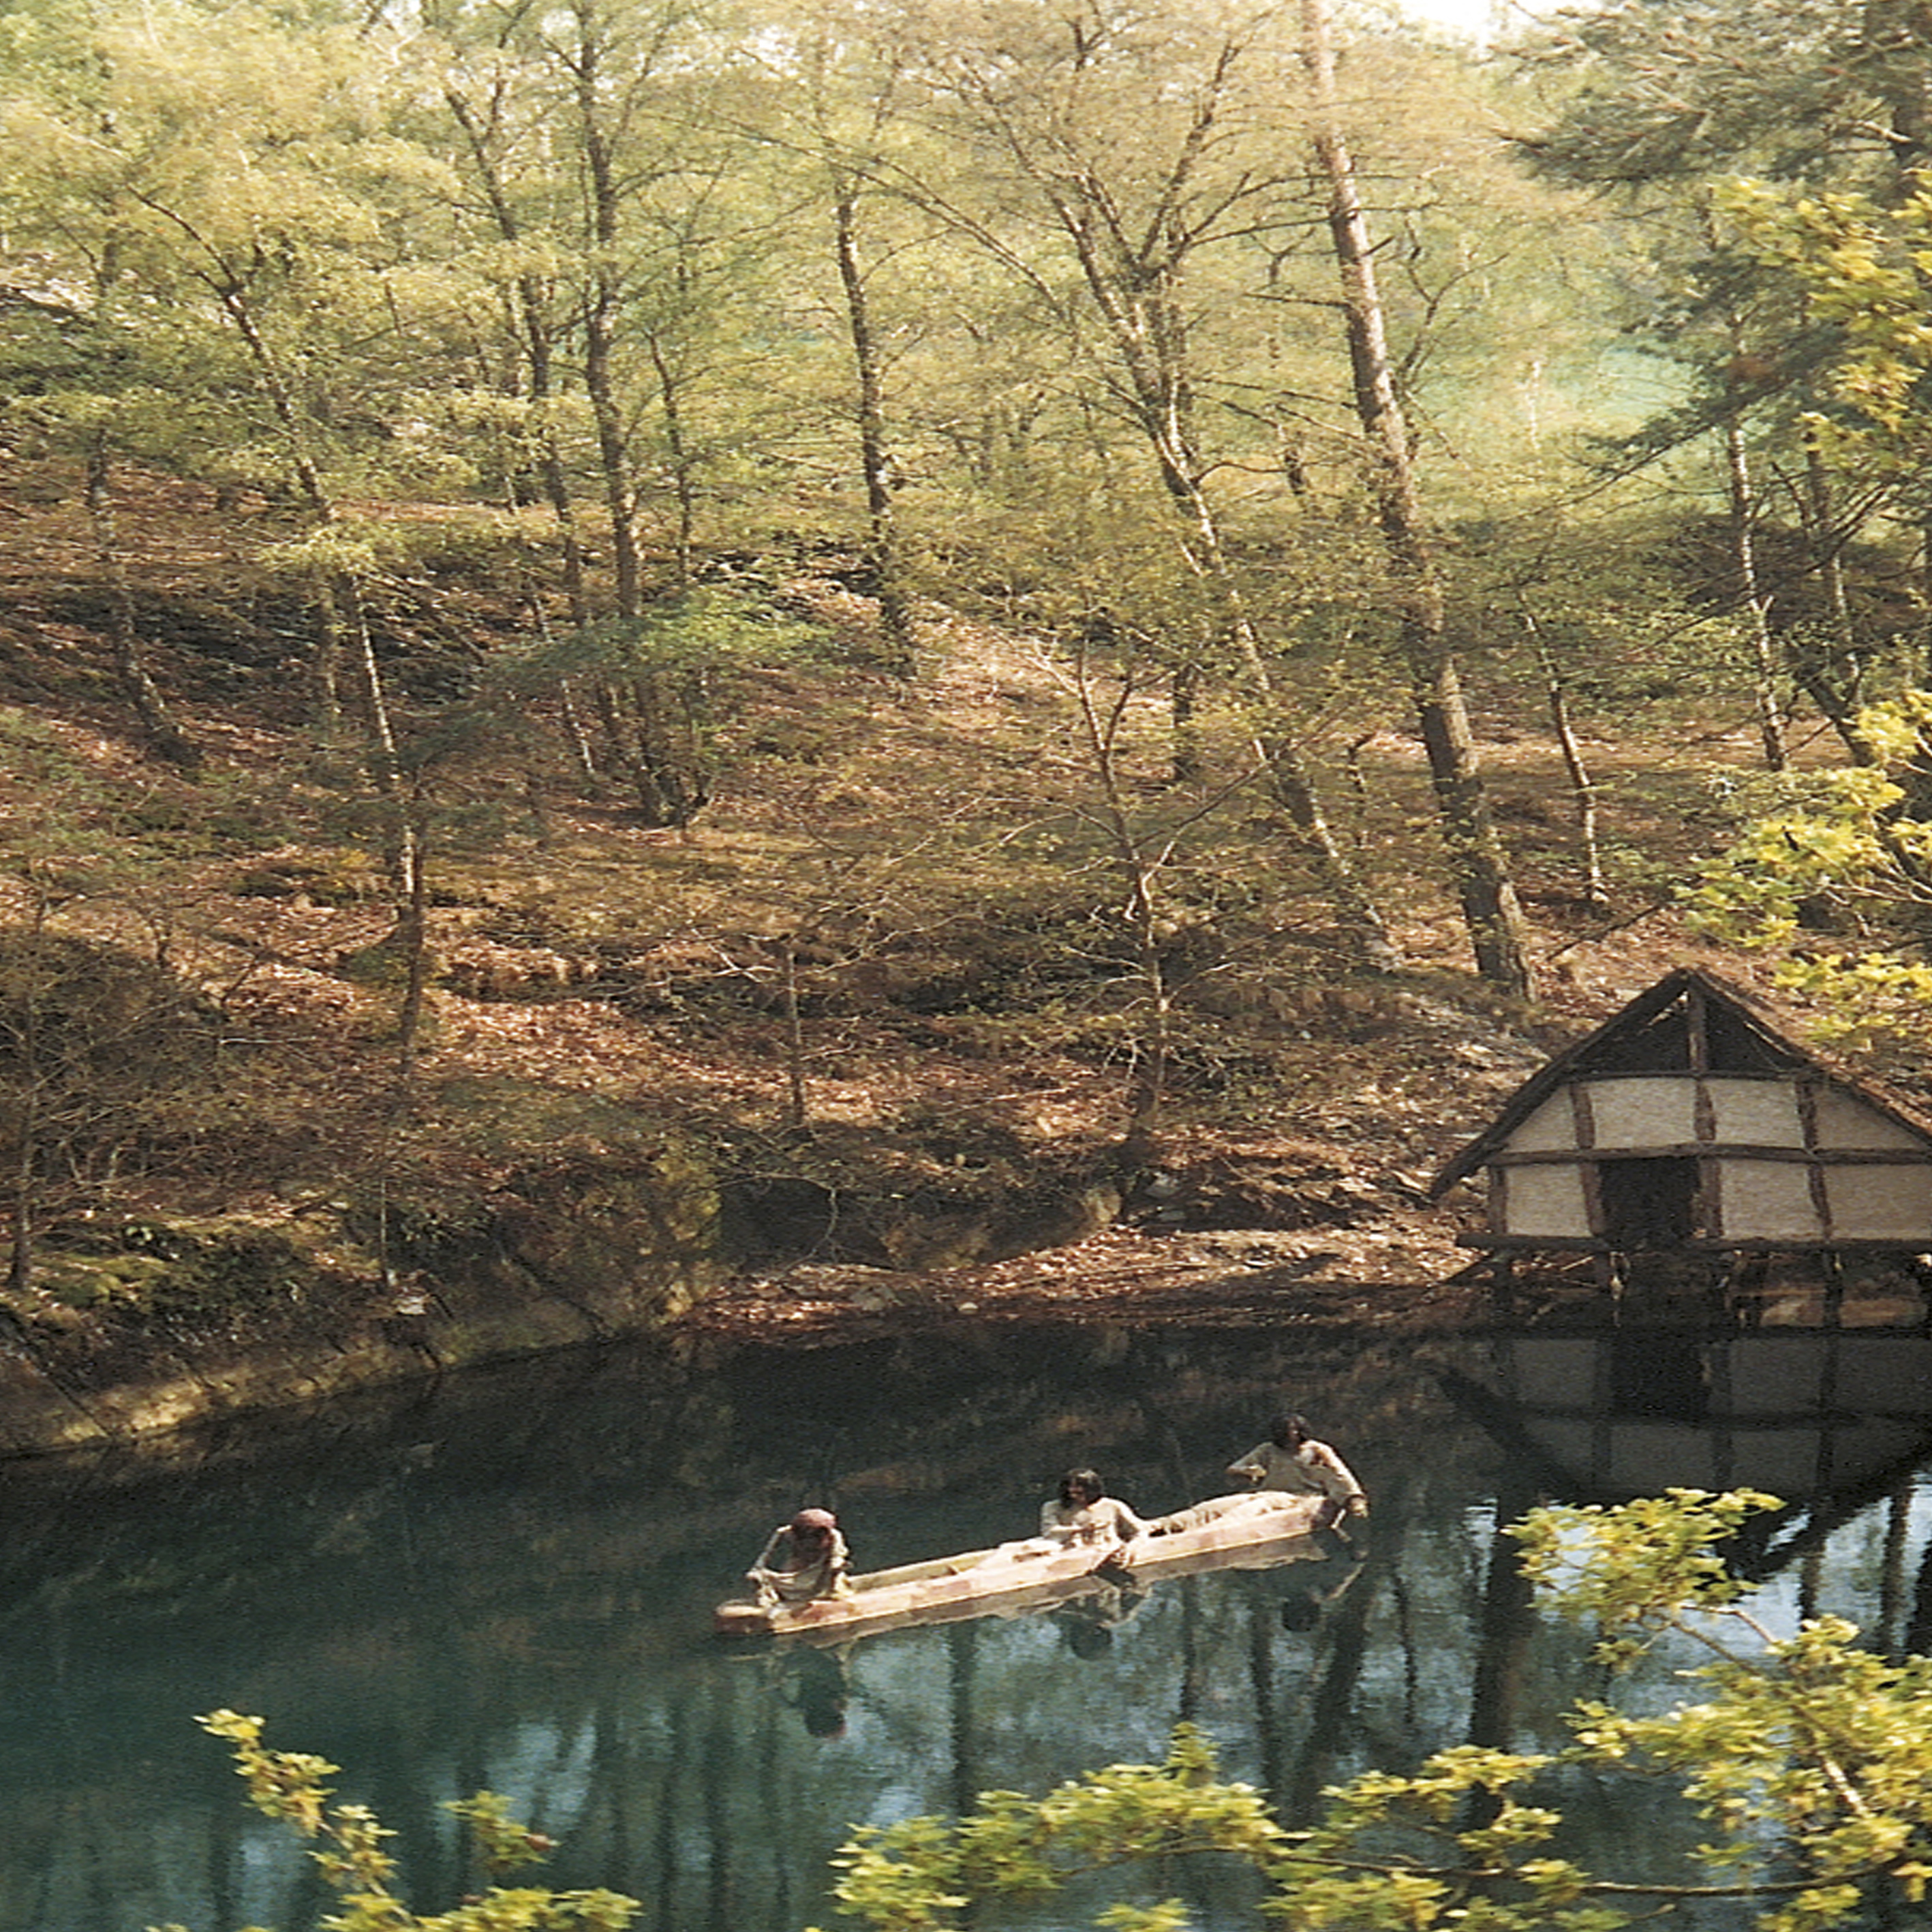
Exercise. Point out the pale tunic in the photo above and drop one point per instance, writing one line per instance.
(1109, 1520)
(1312, 1470)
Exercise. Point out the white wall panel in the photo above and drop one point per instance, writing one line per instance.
(1546, 1201)
(1644, 1113)
(1880, 1204)
(1767, 1200)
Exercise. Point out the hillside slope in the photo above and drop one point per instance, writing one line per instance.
(856, 1039)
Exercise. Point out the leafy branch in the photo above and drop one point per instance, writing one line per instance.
(1810, 1755)
(289, 1786)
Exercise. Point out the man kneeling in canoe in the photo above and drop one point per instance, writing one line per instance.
(803, 1559)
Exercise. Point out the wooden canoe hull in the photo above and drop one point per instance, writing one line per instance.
(1018, 1579)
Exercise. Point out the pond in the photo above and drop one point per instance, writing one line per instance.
(505, 1582)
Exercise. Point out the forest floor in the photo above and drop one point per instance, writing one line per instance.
(922, 849)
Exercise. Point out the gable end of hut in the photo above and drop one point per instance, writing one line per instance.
(1690, 1122)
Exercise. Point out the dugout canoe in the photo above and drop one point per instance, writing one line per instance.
(1256, 1532)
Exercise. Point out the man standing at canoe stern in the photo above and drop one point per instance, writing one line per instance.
(1292, 1460)
(803, 1559)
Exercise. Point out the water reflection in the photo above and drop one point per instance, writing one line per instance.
(507, 1582)
(1803, 1416)
(1830, 1421)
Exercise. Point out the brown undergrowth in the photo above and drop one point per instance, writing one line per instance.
(883, 977)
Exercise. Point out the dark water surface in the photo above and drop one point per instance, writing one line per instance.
(505, 1582)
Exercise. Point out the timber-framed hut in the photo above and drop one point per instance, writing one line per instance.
(1689, 1145)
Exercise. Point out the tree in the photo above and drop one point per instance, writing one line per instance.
(665, 674)
(484, 87)
(89, 391)
(234, 203)
(1136, 142)
(1809, 1755)
(1662, 104)
(1848, 858)
(157, 720)
(1141, 852)
(1830, 870)
(289, 1786)
(1662, 90)
(835, 106)
(1477, 862)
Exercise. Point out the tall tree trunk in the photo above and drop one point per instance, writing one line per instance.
(883, 560)
(1478, 864)
(157, 723)
(1140, 861)
(606, 414)
(1183, 706)
(683, 468)
(576, 732)
(669, 792)
(1134, 281)
(1582, 789)
(1143, 314)
(401, 857)
(1831, 676)
(413, 930)
(1752, 598)
(1289, 779)
(600, 316)
(339, 601)
(532, 311)
(325, 667)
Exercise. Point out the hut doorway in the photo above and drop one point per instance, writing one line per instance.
(1649, 1201)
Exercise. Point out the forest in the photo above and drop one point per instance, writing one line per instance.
(690, 639)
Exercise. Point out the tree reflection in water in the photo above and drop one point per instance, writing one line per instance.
(506, 1582)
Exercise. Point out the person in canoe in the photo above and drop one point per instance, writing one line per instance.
(803, 1559)
(1082, 1512)
(1292, 1460)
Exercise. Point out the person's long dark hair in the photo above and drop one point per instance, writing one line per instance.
(1086, 1480)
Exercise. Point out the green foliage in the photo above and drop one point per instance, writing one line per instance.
(1810, 1758)
(290, 1787)
(1843, 856)
(923, 1873)
(691, 632)
(1862, 265)
(1814, 836)
(665, 680)
(1633, 1570)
